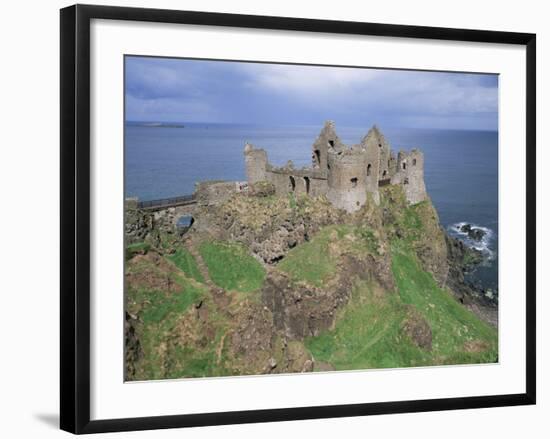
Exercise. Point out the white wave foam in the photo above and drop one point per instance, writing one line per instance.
(483, 245)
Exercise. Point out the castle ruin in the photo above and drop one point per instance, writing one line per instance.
(345, 175)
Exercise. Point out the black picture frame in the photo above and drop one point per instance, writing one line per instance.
(75, 217)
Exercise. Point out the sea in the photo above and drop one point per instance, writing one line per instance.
(460, 170)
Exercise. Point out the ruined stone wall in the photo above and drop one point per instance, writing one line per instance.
(287, 179)
(376, 140)
(333, 165)
(347, 179)
(255, 164)
(327, 139)
(138, 223)
(392, 164)
(372, 160)
(384, 169)
(318, 187)
(165, 220)
(299, 182)
(280, 181)
(211, 193)
(410, 174)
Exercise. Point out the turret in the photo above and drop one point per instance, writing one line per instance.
(410, 174)
(347, 177)
(372, 153)
(376, 140)
(255, 164)
(327, 139)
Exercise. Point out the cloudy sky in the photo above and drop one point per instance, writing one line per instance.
(179, 90)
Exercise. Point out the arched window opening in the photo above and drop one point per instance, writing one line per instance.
(307, 183)
(184, 223)
(414, 162)
(292, 183)
(404, 165)
(384, 173)
(354, 182)
(331, 142)
(317, 156)
(369, 166)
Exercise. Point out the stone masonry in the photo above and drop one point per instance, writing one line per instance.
(345, 175)
(348, 176)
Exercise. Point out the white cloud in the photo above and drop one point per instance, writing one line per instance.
(227, 91)
(390, 90)
(307, 81)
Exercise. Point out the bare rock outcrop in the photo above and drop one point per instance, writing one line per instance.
(300, 310)
(269, 226)
(417, 329)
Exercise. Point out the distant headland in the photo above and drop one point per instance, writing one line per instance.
(156, 124)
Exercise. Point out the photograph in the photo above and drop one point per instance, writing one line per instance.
(297, 218)
(275, 219)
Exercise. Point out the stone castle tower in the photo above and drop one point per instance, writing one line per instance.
(347, 178)
(326, 140)
(410, 174)
(345, 175)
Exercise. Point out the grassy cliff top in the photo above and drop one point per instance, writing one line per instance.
(286, 284)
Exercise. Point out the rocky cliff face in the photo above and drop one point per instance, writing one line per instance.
(138, 225)
(263, 283)
(268, 225)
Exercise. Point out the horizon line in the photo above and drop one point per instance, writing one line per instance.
(304, 125)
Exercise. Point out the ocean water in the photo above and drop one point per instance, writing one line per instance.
(461, 168)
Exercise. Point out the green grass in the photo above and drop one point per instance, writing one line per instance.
(159, 312)
(410, 223)
(166, 357)
(159, 304)
(369, 238)
(184, 361)
(292, 201)
(368, 332)
(187, 263)
(231, 267)
(310, 261)
(313, 262)
(165, 354)
(452, 324)
(411, 219)
(190, 363)
(137, 248)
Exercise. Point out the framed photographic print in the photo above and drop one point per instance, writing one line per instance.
(268, 218)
